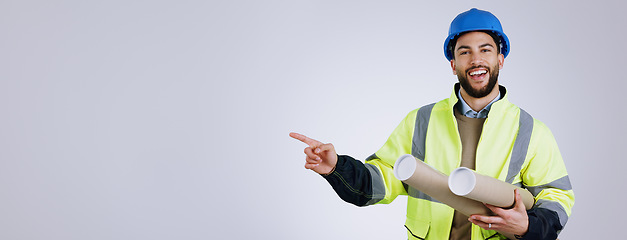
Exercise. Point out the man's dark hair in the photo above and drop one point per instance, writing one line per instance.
(495, 37)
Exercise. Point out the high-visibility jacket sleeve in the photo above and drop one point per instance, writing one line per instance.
(399, 143)
(545, 176)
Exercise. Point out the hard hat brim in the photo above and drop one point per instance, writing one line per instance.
(504, 42)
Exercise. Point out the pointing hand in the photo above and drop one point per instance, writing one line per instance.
(320, 157)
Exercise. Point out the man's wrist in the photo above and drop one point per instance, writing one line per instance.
(330, 172)
(522, 235)
(339, 161)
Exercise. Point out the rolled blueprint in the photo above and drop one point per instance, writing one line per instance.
(468, 183)
(432, 182)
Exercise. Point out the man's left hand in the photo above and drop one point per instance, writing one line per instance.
(513, 221)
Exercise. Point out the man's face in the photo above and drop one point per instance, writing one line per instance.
(476, 63)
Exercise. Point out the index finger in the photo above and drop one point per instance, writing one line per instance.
(309, 141)
(485, 219)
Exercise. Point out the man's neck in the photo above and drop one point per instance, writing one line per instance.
(479, 103)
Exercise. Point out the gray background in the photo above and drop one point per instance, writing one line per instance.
(170, 119)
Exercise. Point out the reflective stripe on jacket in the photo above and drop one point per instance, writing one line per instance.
(513, 147)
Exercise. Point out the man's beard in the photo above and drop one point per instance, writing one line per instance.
(484, 91)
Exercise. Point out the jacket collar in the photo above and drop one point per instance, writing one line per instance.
(498, 105)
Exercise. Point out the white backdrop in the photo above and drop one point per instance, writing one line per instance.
(170, 119)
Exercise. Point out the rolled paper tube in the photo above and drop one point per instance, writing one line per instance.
(432, 182)
(468, 183)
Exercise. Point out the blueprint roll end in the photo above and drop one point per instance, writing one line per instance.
(405, 167)
(462, 181)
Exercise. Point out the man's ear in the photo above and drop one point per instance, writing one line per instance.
(501, 60)
(453, 66)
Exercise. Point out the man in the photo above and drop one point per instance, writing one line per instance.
(477, 127)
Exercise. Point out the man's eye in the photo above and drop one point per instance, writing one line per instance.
(463, 53)
(485, 50)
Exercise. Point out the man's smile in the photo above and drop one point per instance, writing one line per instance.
(478, 74)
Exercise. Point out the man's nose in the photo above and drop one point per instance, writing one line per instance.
(477, 60)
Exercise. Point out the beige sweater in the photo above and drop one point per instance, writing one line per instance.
(470, 132)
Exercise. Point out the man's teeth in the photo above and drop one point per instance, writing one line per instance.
(478, 72)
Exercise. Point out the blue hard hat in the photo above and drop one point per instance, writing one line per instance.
(475, 20)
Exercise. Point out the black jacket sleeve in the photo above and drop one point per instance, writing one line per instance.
(543, 224)
(351, 180)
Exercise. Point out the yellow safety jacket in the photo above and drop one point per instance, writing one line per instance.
(513, 147)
